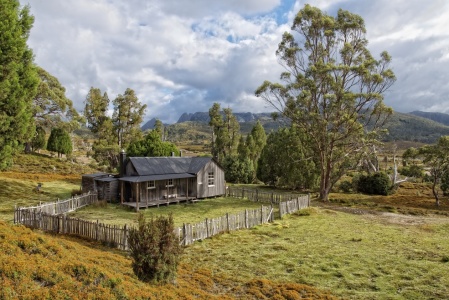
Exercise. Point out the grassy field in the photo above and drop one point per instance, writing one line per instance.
(58, 176)
(353, 247)
(353, 256)
(182, 213)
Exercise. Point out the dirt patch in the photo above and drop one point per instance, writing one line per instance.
(389, 217)
(407, 220)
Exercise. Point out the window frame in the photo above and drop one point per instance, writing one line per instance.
(211, 178)
(151, 185)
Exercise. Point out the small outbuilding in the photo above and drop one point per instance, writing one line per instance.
(106, 185)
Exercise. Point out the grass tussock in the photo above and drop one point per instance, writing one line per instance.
(37, 266)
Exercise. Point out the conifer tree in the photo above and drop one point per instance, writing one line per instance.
(18, 80)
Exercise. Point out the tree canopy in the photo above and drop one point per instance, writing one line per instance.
(151, 146)
(333, 88)
(18, 80)
(59, 142)
(436, 158)
(51, 107)
(127, 117)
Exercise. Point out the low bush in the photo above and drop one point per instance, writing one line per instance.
(345, 186)
(374, 184)
(155, 249)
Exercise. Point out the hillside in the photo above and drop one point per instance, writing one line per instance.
(194, 127)
(407, 127)
(40, 266)
(434, 116)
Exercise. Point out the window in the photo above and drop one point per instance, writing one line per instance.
(151, 184)
(210, 179)
(170, 182)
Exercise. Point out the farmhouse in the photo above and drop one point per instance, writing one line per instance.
(149, 181)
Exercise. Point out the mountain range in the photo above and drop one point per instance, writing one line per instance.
(416, 126)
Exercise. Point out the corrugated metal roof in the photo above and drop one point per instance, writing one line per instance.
(198, 163)
(168, 165)
(156, 177)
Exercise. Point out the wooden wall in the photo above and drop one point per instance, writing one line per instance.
(204, 189)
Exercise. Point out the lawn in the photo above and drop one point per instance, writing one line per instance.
(182, 213)
(353, 256)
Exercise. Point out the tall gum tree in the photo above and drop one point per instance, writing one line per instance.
(333, 88)
(18, 80)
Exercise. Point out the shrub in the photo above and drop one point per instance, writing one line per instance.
(345, 186)
(374, 184)
(412, 171)
(155, 249)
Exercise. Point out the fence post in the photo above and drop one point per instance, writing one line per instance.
(257, 195)
(96, 231)
(246, 218)
(125, 237)
(308, 199)
(243, 193)
(227, 221)
(207, 228)
(261, 215)
(184, 243)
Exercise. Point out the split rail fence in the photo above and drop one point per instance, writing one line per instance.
(117, 236)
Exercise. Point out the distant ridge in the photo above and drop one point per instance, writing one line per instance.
(241, 117)
(409, 127)
(415, 126)
(434, 116)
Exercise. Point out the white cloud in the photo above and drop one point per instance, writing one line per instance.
(182, 58)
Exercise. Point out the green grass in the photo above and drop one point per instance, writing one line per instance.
(182, 213)
(350, 255)
(17, 192)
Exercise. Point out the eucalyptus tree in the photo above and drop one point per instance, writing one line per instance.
(436, 159)
(51, 107)
(332, 88)
(18, 80)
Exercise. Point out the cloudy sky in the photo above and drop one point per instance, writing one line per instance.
(182, 56)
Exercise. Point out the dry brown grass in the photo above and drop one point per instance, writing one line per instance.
(410, 198)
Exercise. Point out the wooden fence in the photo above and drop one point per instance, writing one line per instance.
(110, 235)
(189, 233)
(117, 236)
(260, 196)
(57, 207)
(289, 207)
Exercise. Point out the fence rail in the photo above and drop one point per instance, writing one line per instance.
(43, 218)
(260, 196)
(189, 233)
(57, 207)
(289, 207)
(110, 235)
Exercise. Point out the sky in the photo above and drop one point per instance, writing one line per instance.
(182, 56)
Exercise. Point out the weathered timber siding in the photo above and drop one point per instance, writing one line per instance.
(218, 188)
